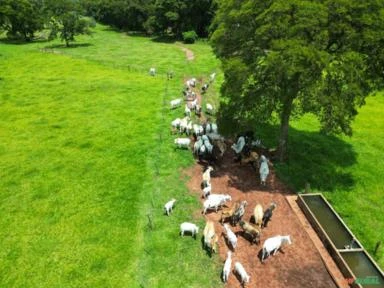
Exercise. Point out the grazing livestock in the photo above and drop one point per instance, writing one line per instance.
(207, 190)
(227, 266)
(274, 244)
(211, 128)
(207, 175)
(197, 145)
(198, 110)
(193, 104)
(204, 88)
(232, 239)
(210, 237)
(212, 77)
(227, 213)
(191, 82)
(152, 71)
(264, 170)
(251, 230)
(214, 202)
(176, 123)
(175, 103)
(238, 147)
(184, 124)
(268, 214)
(190, 228)
(244, 277)
(209, 108)
(258, 215)
(187, 111)
(198, 129)
(251, 159)
(224, 197)
(239, 213)
(182, 142)
(169, 206)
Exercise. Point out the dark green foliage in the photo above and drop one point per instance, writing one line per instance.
(174, 16)
(122, 14)
(189, 37)
(67, 20)
(21, 18)
(288, 58)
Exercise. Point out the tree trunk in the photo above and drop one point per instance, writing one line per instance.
(284, 127)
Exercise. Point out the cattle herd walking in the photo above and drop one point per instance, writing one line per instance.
(208, 145)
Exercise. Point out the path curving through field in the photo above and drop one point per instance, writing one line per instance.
(188, 53)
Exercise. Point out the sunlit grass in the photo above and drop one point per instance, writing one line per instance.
(86, 159)
(349, 170)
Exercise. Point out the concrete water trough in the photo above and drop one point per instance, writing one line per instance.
(348, 253)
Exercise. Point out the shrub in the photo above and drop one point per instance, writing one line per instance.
(189, 37)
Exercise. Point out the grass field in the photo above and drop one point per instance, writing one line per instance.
(86, 159)
(348, 170)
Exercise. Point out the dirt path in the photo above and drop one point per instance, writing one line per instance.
(188, 53)
(298, 265)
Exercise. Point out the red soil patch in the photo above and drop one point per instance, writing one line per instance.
(297, 265)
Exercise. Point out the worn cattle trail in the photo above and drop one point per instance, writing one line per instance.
(188, 53)
(297, 265)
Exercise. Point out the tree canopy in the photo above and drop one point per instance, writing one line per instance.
(66, 20)
(22, 18)
(287, 58)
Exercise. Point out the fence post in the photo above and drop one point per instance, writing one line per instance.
(307, 187)
(377, 247)
(150, 223)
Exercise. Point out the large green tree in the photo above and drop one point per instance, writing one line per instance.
(286, 58)
(22, 18)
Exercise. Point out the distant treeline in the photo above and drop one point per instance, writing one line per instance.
(154, 16)
(23, 18)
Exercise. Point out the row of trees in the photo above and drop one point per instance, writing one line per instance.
(63, 18)
(287, 58)
(155, 16)
(22, 18)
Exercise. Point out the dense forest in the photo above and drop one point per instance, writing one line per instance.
(21, 19)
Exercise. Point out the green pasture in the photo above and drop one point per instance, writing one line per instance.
(348, 170)
(87, 164)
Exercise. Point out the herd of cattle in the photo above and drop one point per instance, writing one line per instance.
(209, 145)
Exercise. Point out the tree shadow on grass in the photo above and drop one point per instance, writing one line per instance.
(318, 159)
(314, 158)
(18, 41)
(164, 39)
(74, 45)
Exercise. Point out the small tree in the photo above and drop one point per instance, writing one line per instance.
(189, 37)
(67, 21)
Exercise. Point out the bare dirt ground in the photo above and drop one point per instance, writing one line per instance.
(298, 265)
(188, 53)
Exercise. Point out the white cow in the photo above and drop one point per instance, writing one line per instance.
(189, 227)
(175, 103)
(242, 273)
(273, 244)
(182, 142)
(227, 266)
(209, 108)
